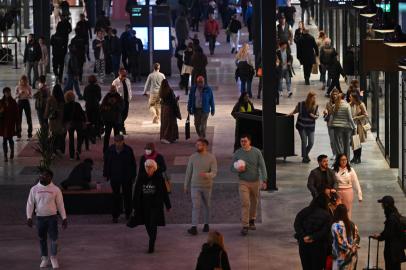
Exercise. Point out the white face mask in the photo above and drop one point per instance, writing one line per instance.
(148, 152)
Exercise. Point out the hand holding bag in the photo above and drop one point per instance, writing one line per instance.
(168, 182)
(315, 69)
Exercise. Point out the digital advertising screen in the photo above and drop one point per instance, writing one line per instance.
(142, 33)
(161, 39)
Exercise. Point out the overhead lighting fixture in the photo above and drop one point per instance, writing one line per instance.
(360, 4)
(396, 39)
(383, 23)
(370, 10)
(402, 63)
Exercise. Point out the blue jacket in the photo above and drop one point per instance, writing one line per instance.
(207, 100)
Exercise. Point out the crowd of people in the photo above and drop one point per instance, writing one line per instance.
(324, 229)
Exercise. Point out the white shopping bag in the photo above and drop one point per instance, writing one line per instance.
(356, 142)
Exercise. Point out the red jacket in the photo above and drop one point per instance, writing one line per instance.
(211, 28)
(9, 119)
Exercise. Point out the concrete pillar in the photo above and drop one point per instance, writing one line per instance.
(42, 20)
(26, 14)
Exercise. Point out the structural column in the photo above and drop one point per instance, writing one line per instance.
(42, 20)
(268, 50)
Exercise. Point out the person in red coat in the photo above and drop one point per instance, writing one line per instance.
(211, 30)
(8, 121)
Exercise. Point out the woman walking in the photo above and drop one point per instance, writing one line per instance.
(150, 196)
(187, 67)
(245, 69)
(360, 116)
(347, 179)
(308, 112)
(327, 115)
(243, 105)
(151, 153)
(199, 63)
(74, 118)
(299, 32)
(169, 132)
(92, 97)
(54, 113)
(345, 240)
(343, 125)
(23, 95)
(8, 122)
(213, 254)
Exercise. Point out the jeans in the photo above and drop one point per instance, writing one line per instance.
(332, 140)
(200, 119)
(72, 82)
(32, 66)
(48, 226)
(285, 75)
(307, 138)
(234, 40)
(200, 196)
(60, 142)
(24, 105)
(342, 138)
(246, 87)
(212, 43)
(249, 196)
(107, 132)
(115, 62)
(79, 139)
(100, 69)
(6, 143)
(122, 189)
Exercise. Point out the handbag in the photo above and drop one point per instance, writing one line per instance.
(168, 182)
(177, 110)
(315, 69)
(356, 142)
(367, 127)
(187, 127)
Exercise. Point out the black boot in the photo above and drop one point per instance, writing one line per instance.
(151, 247)
(11, 151)
(359, 156)
(5, 151)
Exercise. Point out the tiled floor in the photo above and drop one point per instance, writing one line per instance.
(104, 246)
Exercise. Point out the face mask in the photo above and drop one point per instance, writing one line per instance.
(148, 152)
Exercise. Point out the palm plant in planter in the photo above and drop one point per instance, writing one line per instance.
(45, 147)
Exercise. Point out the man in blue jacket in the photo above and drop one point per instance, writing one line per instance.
(200, 104)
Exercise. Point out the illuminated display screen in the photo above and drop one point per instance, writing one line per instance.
(142, 33)
(161, 39)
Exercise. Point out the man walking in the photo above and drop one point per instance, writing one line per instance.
(284, 66)
(123, 86)
(72, 72)
(47, 200)
(249, 163)
(32, 55)
(135, 50)
(201, 169)
(120, 169)
(125, 39)
(200, 104)
(211, 30)
(153, 84)
(234, 28)
(59, 45)
(321, 178)
(115, 51)
(307, 50)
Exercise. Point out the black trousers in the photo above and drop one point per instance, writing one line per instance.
(124, 114)
(307, 69)
(124, 59)
(249, 27)
(108, 127)
(79, 139)
(57, 67)
(93, 116)
(60, 142)
(6, 143)
(24, 105)
(184, 78)
(212, 43)
(122, 192)
(335, 83)
(134, 65)
(312, 256)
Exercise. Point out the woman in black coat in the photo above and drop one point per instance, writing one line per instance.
(151, 153)
(150, 196)
(92, 97)
(213, 255)
(393, 253)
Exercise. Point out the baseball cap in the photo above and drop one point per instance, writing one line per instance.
(387, 200)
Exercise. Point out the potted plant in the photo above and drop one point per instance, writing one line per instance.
(45, 147)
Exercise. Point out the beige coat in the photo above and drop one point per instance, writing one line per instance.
(55, 125)
(360, 116)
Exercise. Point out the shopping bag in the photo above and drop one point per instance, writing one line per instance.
(367, 127)
(356, 142)
(315, 69)
(187, 127)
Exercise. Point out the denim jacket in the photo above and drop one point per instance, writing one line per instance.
(207, 100)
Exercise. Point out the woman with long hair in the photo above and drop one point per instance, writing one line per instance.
(327, 115)
(54, 113)
(213, 254)
(343, 125)
(245, 68)
(347, 179)
(306, 123)
(8, 122)
(169, 131)
(345, 240)
(360, 116)
(299, 32)
(23, 95)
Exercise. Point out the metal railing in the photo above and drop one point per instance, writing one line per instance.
(4, 58)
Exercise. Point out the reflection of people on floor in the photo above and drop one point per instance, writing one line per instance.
(80, 176)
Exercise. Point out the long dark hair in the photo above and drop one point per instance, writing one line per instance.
(165, 89)
(341, 214)
(336, 165)
(58, 93)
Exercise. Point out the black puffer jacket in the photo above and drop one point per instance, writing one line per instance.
(209, 258)
(392, 235)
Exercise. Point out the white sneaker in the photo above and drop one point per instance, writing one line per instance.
(54, 262)
(165, 141)
(44, 262)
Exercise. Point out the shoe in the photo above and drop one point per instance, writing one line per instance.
(307, 82)
(290, 95)
(206, 228)
(155, 120)
(165, 141)
(252, 225)
(306, 160)
(244, 231)
(124, 131)
(54, 262)
(44, 262)
(192, 230)
(151, 248)
(115, 220)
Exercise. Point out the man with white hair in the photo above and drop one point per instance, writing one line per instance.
(327, 54)
(201, 169)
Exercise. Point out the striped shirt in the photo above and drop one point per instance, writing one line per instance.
(343, 116)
